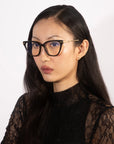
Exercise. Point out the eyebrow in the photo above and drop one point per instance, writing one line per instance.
(48, 37)
(54, 36)
(35, 37)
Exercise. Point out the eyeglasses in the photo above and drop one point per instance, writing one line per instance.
(52, 47)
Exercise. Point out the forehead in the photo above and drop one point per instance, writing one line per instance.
(48, 27)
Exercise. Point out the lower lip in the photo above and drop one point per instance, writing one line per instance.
(47, 71)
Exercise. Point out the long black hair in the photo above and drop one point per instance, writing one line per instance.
(88, 71)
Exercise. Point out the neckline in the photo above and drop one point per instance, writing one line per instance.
(68, 96)
(66, 90)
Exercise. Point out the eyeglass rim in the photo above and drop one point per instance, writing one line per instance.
(60, 41)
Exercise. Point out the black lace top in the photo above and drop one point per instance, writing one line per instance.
(76, 118)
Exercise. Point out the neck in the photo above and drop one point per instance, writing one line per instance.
(61, 86)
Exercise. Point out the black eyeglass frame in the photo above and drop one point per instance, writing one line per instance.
(43, 45)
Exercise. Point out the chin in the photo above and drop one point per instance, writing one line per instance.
(49, 79)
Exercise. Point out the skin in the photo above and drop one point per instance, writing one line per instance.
(64, 74)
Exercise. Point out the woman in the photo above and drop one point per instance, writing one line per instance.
(66, 100)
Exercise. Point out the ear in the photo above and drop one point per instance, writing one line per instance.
(82, 49)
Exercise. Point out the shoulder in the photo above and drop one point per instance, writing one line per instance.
(103, 131)
(27, 101)
(106, 120)
(97, 104)
(22, 105)
(98, 112)
(23, 99)
(16, 120)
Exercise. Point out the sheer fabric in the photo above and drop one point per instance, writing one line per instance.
(99, 123)
(16, 122)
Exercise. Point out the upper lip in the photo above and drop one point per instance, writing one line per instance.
(46, 68)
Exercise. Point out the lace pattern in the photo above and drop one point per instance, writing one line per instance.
(99, 126)
(105, 130)
(15, 122)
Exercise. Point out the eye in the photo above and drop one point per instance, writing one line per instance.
(54, 44)
(35, 45)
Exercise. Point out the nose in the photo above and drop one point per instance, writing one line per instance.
(43, 55)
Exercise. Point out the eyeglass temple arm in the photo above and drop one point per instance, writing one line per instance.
(71, 40)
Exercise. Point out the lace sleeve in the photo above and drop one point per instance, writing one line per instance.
(15, 122)
(104, 133)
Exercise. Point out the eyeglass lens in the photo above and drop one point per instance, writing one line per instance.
(51, 47)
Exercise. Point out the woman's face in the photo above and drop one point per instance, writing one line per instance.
(59, 69)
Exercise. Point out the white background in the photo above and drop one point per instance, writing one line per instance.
(16, 17)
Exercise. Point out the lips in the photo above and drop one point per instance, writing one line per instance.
(46, 69)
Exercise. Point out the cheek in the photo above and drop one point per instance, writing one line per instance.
(36, 60)
(65, 62)
(67, 56)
